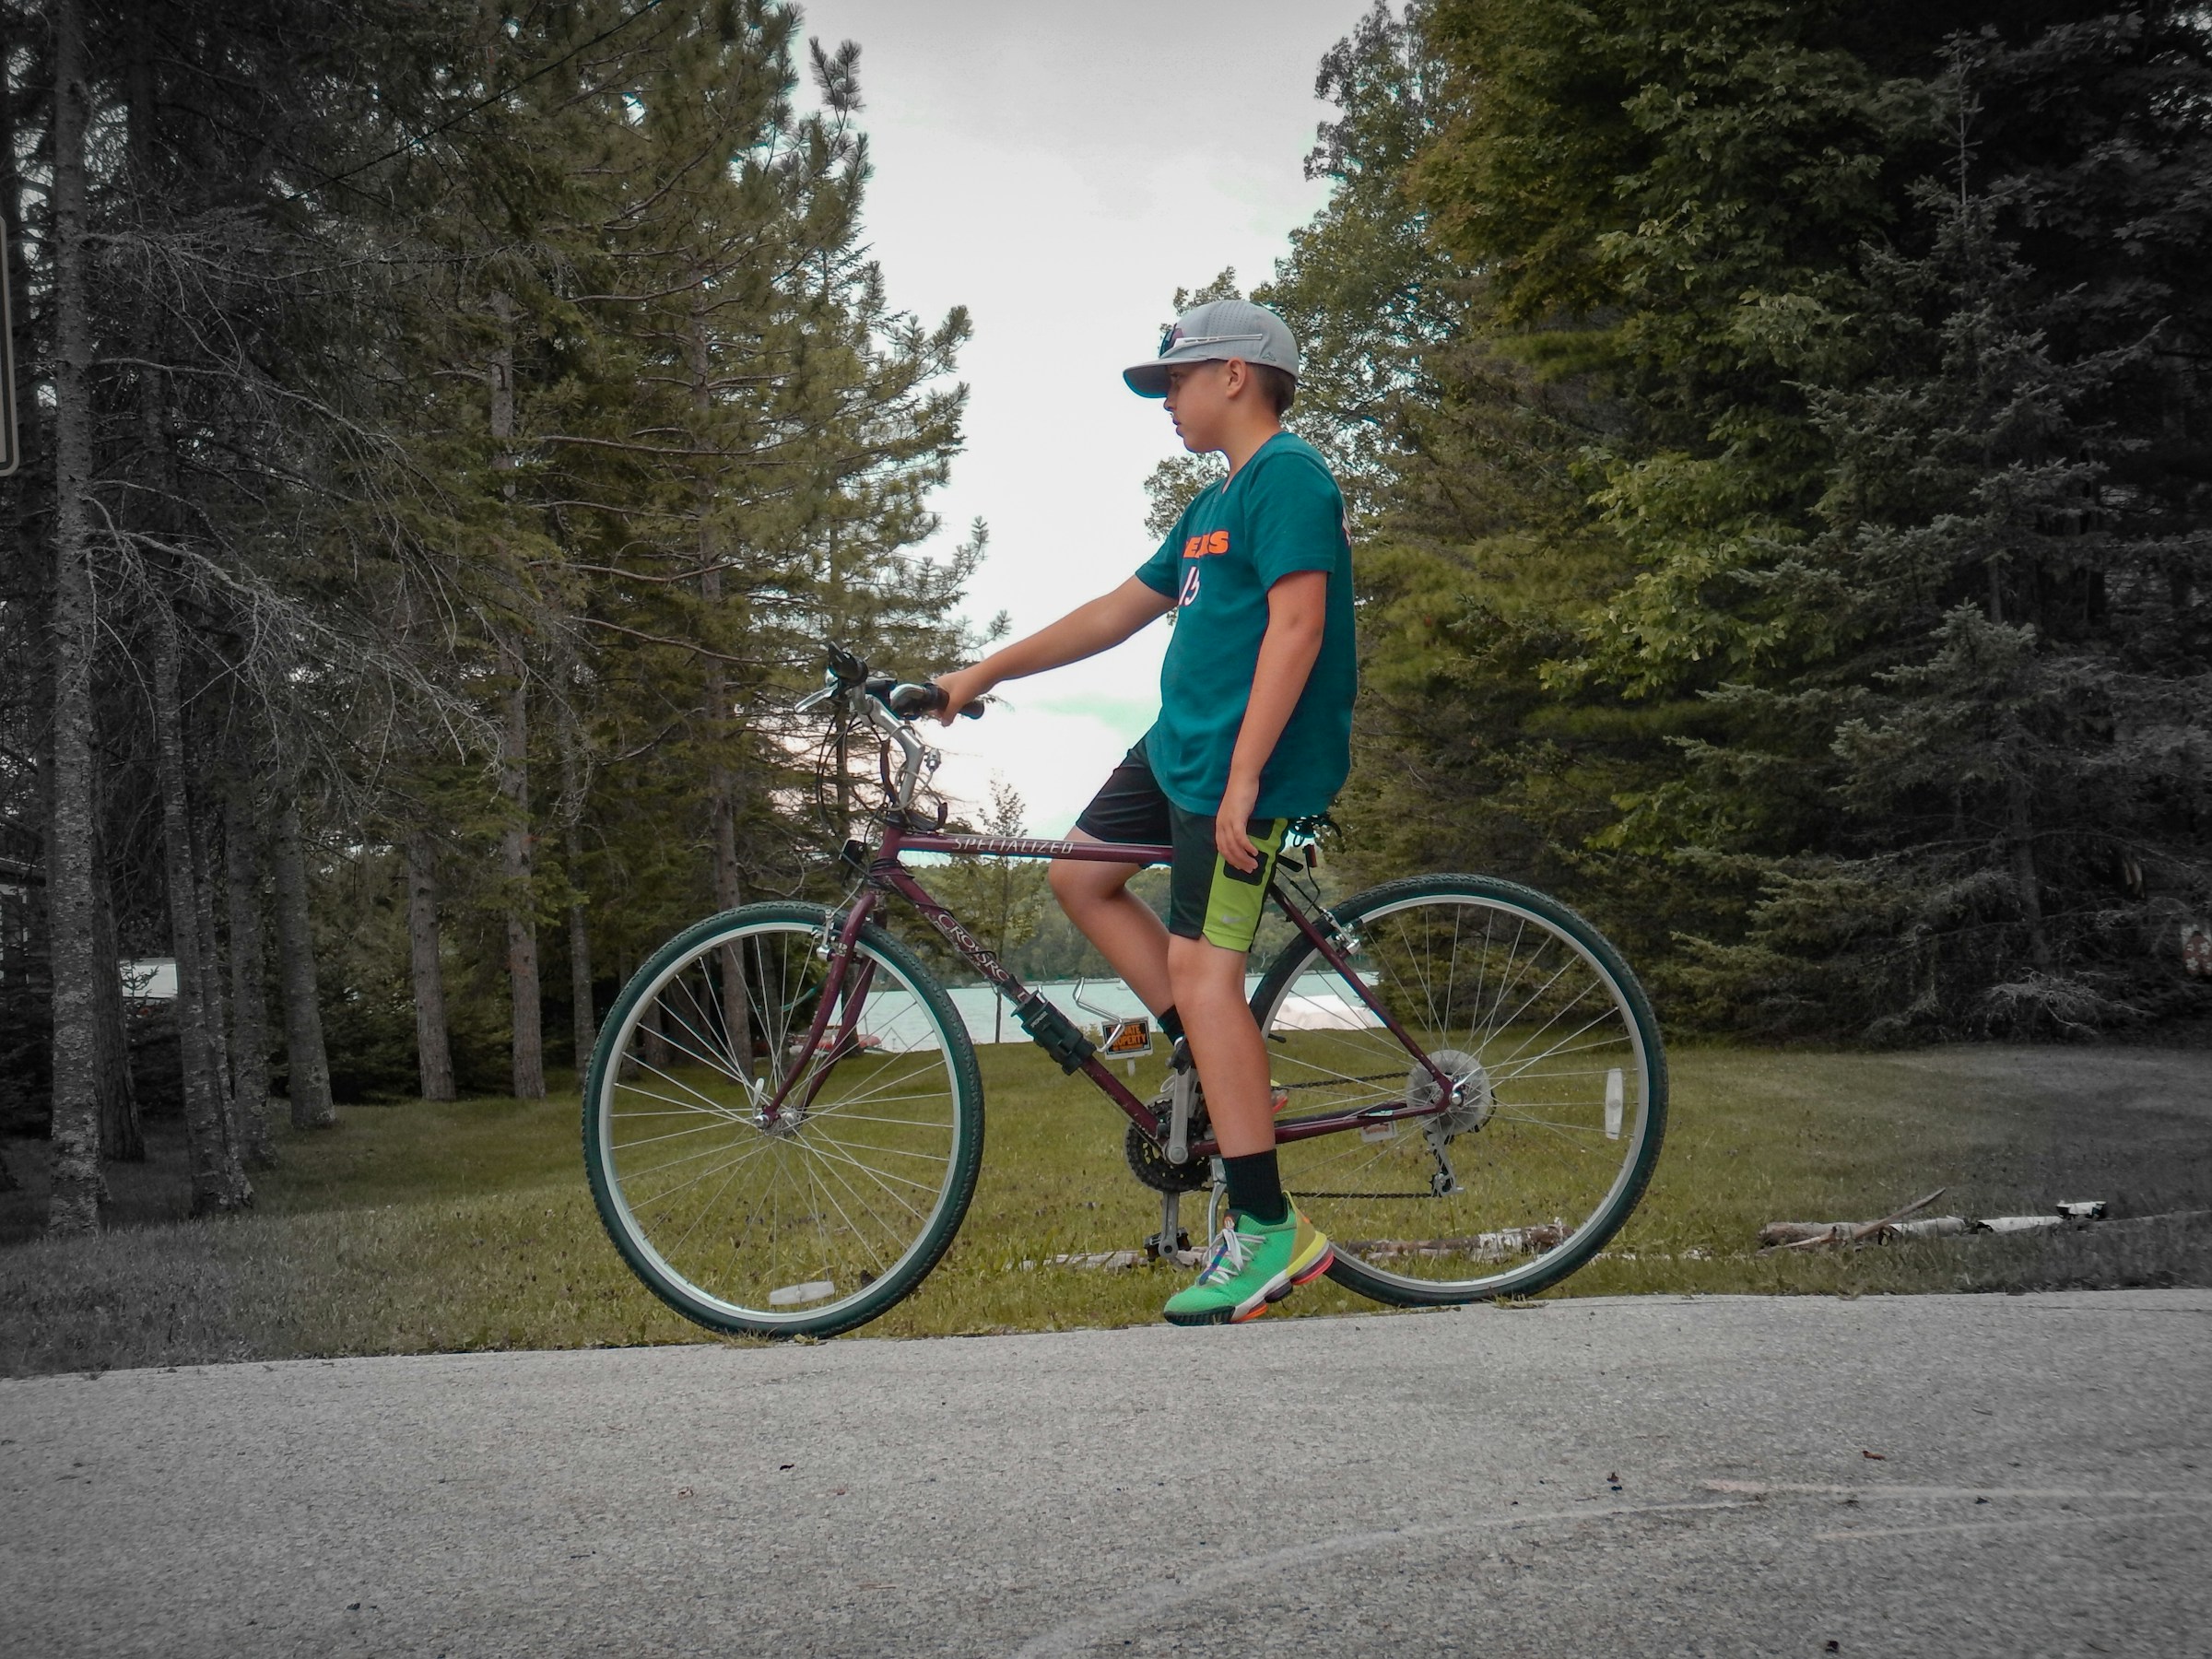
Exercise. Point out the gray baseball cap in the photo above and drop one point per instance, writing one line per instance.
(1212, 333)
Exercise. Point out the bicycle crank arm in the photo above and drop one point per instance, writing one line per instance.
(1183, 1089)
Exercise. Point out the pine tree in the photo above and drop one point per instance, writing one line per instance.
(1604, 645)
(2021, 764)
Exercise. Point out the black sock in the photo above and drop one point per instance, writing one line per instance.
(1256, 1187)
(1171, 1022)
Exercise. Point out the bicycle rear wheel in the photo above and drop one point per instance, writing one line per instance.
(821, 1219)
(1561, 1077)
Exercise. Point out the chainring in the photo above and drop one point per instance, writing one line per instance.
(1149, 1162)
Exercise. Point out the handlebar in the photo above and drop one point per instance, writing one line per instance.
(890, 707)
(908, 700)
(848, 674)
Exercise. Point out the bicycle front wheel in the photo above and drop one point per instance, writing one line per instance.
(819, 1217)
(1559, 1082)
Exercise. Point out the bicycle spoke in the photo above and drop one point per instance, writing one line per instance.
(857, 1147)
(847, 1219)
(648, 1140)
(919, 1186)
(704, 1108)
(662, 1197)
(1505, 1116)
(1527, 1067)
(704, 1209)
(728, 1066)
(842, 1116)
(707, 1100)
(859, 1198)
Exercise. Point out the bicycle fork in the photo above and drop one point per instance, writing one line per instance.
(811, 1061)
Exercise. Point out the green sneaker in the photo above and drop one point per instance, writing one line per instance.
(1252, 1265)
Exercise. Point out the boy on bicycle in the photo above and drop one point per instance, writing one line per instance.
(1255, 732)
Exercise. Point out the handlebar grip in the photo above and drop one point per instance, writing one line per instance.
(908, 700)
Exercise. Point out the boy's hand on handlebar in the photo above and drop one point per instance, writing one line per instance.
(962, 687)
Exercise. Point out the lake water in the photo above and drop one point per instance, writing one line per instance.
(1318, 1000)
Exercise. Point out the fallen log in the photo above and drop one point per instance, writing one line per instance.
(1113, 1260)
(1805, 1235)
(1480, 1247)
(1847, 1232)
(1775, 1234)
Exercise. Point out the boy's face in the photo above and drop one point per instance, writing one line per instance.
(1200, 401)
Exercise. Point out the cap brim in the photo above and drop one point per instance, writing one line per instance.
(1148, 379)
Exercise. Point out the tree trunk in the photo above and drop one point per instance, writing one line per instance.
(729, 894)
(122, 1137)
(304, 1056)
(16, 951)
(653, 1040)
(2027, 882)
(214, 1000)
(218, 1179)
(722, 780)
(433, 1049)
(581, 998)
(80, 1188)
(582, 1013)
(529, 1047)
(249, 983)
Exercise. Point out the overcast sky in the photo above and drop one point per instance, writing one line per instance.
(1059, 169)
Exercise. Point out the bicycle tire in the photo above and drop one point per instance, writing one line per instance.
(1562, 1151)
(802, 1207)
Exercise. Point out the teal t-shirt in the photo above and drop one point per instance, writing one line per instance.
(1280, 513)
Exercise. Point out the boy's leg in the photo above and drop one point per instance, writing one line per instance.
(1128, 808)
(1212, 915)
(1208, 987)
(1132, 940)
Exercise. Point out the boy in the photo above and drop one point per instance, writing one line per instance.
(1254, 731)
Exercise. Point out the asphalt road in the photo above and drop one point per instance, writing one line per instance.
(1927, 1476)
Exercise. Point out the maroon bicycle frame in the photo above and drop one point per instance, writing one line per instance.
(886, 874)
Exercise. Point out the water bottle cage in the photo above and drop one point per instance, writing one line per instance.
(1053, 1032)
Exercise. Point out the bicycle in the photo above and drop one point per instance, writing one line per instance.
(783, 1117)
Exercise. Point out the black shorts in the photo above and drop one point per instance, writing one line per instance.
(1209, 898)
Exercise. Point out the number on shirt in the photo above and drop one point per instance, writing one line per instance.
(1190, 586)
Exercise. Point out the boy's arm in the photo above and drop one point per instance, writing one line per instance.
(1297, 608)
(1085, 631)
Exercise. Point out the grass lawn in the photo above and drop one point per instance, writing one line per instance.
(420, 1228)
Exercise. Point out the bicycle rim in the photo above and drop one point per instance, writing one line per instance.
(821, 1217)
(1558, 1067)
